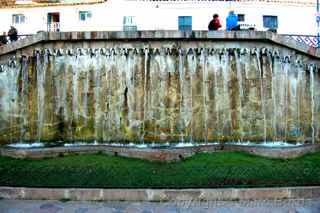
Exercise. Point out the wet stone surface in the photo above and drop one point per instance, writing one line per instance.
(127, 93)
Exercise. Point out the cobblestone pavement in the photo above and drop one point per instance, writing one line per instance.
(287, 206)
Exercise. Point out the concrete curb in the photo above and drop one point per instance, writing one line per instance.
(163, 154)
(230, 194)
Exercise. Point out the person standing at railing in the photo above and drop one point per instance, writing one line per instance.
(3, 39)
(214, 24)
(13, 34)
(232, 21)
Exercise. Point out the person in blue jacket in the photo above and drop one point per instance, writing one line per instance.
(232, 21)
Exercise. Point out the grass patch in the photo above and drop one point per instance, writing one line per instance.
(221, 169)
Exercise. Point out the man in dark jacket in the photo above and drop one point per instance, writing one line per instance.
(3, 39)
(13, 34)
(214, 24)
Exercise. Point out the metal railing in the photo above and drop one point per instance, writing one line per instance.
(53, 27)
(311, 40)
(247, 26)
(22, 36)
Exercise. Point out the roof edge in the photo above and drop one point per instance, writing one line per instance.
(37, 5)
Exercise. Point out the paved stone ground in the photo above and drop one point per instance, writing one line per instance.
(287, 206)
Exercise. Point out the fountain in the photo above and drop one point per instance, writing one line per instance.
(121, 94)
(158, 95)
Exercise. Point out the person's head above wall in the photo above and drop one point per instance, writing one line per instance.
(231, 10)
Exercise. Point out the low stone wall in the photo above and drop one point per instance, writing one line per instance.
(281, 153)
(160, 194)
(21, 47)
(163, 154)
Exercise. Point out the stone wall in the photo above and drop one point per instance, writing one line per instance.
(158, 195)
(159, 87)
(163, 154)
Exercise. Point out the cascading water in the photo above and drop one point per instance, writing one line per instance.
(262, 94)
(158, 95)
(312, 104)
(241, 91)
(40, 91)
(181, 74)
(23, 99)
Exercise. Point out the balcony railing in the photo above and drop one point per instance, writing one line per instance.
(53, 27)
(310, 40)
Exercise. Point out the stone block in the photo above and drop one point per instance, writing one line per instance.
(43, 194)
(66, 36)
(85, 194)
(219, 194)
(74, 35)
(263, 194)
(304, 192)
(11, 193)
(178, 195)
(54, 36)
(124, 195)
(87, 35)
(98, 35)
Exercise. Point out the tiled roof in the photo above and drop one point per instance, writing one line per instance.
(7, 3)
(44, 3)
(313, 2)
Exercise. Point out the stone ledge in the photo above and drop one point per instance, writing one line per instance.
(230, 194)
(163, 154)
(163, 35)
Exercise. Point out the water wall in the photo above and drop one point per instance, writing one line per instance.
(162, 94)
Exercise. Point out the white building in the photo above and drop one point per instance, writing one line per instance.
(30, 16)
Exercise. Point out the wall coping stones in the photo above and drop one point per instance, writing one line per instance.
(221, 35)
(163, 154)
(94, 194)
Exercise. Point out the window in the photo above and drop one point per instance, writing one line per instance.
(270, 22)
(18, 19)
(129, 23)
(241, 17)
(84, 15)
(53, 21)
(24, 2)
(185, 23)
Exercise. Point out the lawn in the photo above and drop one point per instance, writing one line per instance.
(220, 169)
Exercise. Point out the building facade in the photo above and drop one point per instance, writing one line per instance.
(30, 16)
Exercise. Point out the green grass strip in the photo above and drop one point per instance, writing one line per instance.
(221, 169)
